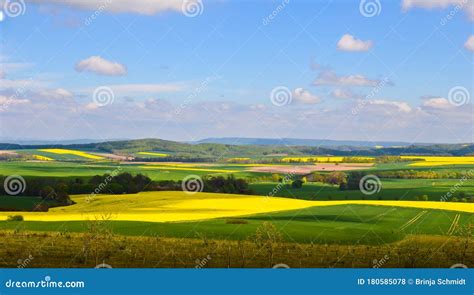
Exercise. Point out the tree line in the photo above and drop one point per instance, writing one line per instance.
(59, 188)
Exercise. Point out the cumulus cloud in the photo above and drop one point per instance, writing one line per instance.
(469, 45)
(101, 66)
(342, 93)
(466, 5)
(19, 84)
(332, 79)
(398, 105)
(350, 43)
(303, 96)
(58, 93)
(146, 7)
(377, 119)
(8, 67)
(130, 89)
(12, 100)
(436, 103)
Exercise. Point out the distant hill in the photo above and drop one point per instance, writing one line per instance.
(304, 142)
(50, 142)
(220, 150)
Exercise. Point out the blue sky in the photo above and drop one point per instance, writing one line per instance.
(171, 74)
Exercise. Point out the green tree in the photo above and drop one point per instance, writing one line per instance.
(276, 177)
(298, 183)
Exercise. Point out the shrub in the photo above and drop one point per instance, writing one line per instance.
(297, 183)
(15, 218)
(236, 221)
(422, 198)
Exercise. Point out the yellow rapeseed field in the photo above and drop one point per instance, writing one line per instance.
(180, 206)
(322, 159)
(238, 159)
(42, 158)
(72, 152)
(162, 207)
(439, 161)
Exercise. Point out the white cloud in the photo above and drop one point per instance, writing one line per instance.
(145, 88)
(382, 119)
(349, 43)
(332, 79)
(58, 93)
(8, 67)
(466, 5)
(469, 45)
(4, 101)
(19, 85)
(146, 7)
(399, 105)
(342, 93)
(437, 103)
(101, 66)
(128, 91)
(305, 97)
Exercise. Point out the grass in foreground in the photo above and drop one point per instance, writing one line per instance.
(101, 246)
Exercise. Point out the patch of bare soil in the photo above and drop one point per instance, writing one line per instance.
(305, 169)
(8, 153)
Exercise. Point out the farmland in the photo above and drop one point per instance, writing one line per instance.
(301, 201)
(392, 189)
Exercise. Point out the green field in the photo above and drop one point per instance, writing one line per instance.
(392, 189)
(348, 224)
(88, 169)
